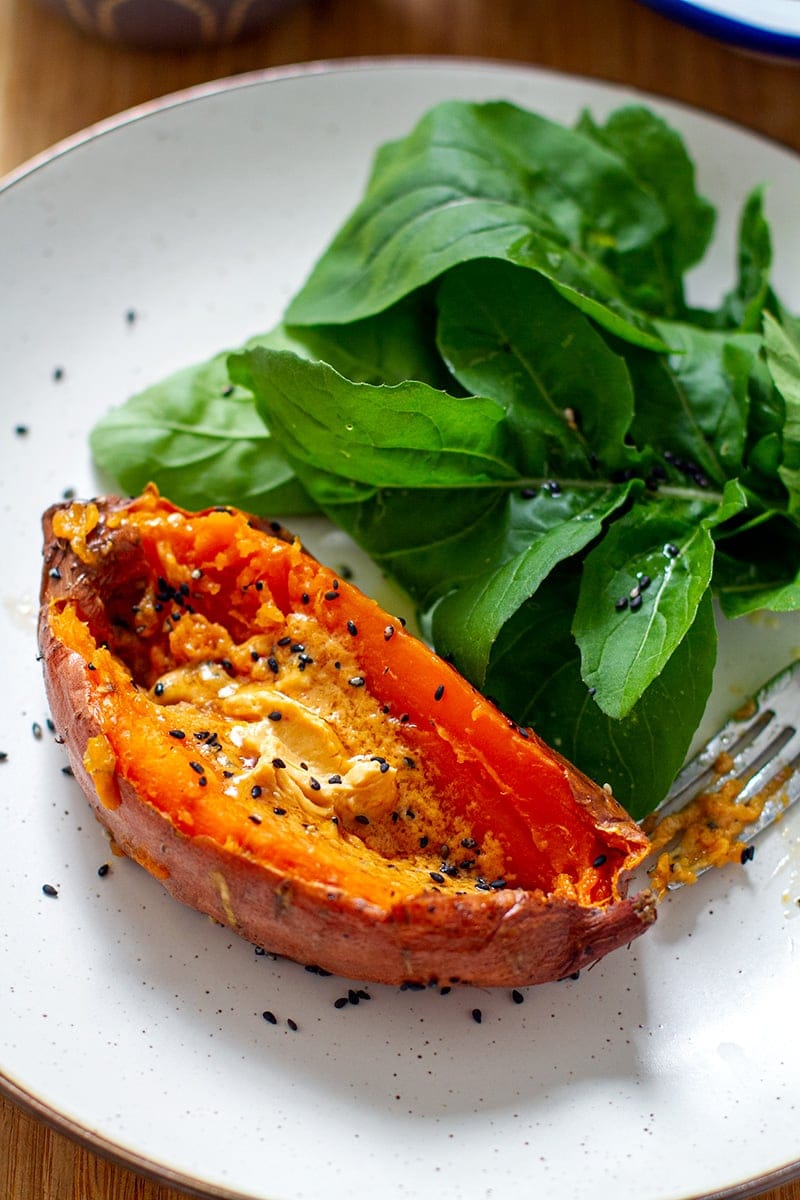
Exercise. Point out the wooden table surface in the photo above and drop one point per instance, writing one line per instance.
(55, 80)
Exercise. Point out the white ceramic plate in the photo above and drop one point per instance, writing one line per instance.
(670, 1070)
(763, 26)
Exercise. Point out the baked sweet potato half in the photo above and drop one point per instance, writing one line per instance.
(285, 757)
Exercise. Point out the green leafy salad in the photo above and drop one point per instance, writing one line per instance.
(494, 382)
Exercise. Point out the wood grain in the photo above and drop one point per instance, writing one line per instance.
(55, 81)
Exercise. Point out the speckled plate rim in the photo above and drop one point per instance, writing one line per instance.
(35, 1107)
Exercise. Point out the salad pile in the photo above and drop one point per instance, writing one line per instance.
(494, 382)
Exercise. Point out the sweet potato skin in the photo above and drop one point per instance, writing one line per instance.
(505, 938)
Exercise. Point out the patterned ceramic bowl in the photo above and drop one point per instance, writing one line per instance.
(170, 24)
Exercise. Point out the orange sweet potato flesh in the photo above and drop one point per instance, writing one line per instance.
(282, 755)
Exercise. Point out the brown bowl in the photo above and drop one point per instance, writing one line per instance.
(170, 24)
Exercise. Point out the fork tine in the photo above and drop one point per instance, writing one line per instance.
(753, 760)
(700, 772)
(778, 699)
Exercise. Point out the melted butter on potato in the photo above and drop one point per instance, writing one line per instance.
(297, 735)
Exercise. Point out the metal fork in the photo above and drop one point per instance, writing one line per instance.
(758, 748)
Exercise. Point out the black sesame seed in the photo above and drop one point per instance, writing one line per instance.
(203, 782)
(67, 771)
(49, 890)
(356, 681)
(636, 603)
(352, 996)
(497, 885)
(388, 633)
(334, 779)
(292, 1024)
(331, 595)
(315, 784)
(436, 877)
(517, 996)
(305, 598)
(272, 663)
(3, 756)
(469, 843)
(477, 1016)
(103, 870)
(748, 854)
(178, 734)
(255, 818)
(437, 695)
(36, 730)
(255, 791)
(362, 819)
(621, 603)
(423, 841)
(671, 550)
(644, 582)
(270, 1017)
(197, 767)
(158, 690)
(278, 764)
(20, 430)
(352, 628)
(284, 641)
(54, 573)
(279, 812)
(600, 860)
(341, 1002)
(58, 374)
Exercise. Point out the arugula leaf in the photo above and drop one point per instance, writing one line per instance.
(534, 675)
(568, 397)
(468, 621)
(742, 307)
(692, 405)
(396, 436)
(783, 361)
(471, 181)
(657, 157)
(388, 347)
(759, 569)
(640, 591)
(201, 441)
